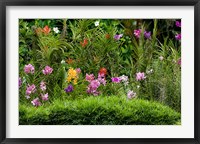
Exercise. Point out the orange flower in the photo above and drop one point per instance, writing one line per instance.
(38, 30)
(69, 61)
(107, 36)
(46, 30)
(103, 71)
(84, 43)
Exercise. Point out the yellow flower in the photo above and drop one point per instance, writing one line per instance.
(75, 81)
(72, 75)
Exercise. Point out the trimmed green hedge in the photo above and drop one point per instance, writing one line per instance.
(99, 111)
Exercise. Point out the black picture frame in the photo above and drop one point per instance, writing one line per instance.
(5, 3)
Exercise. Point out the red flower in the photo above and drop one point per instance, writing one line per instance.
(103, 71)
(84, 43)
(46, 30)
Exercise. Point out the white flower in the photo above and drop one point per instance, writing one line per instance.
(55, 29)
(27, 97)
(138, 86)
(126, 83)
(150, 71)
(96, 23)
(62, 62)
(161, 58)
(124, 78)
(131, 94)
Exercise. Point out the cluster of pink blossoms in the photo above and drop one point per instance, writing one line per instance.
(131, 94)
(29, 69)
(47, 70)
(36, 102)
(178, 35)
(140, 76)
(137, 33)
(43, 88)
(95, 83)
(29, 90)
(123, 79)
(32, 88)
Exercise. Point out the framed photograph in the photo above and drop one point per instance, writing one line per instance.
(99, 71)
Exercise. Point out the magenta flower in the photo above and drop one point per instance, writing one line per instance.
(70, 88)
(43, 86)
(47, 70)
(147, 35)
(178, 23)
(137, 33)
(36, 102)
(178, 36)
(117, 37)
(30, 89)
(140, 76)
(89, 77)
(179, 61)
(131, 94)
(45, 97)
(116, 79)
(29, 69)
(102, 79)
(20, 82)
(78, 70)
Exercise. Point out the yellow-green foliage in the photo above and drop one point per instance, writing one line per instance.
(99, 111)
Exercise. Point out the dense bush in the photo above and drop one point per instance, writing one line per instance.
(99, 111)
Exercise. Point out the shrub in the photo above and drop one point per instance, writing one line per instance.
(99, 111)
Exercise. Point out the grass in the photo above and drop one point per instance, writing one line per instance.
(99, 110)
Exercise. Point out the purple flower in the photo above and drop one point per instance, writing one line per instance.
(178, 36)
(117, 37)
(147, 34)
(70, 88)
(89, 77)
(45, 97)
(116, 79)
(47, 70)
(131, 94)
(101, 79)
(178, 24)
(29, 69)
(137, 33)
(43, 86)
(179, 61)
(140, 76)
(36, 102)
(30, 89)
(20, 82)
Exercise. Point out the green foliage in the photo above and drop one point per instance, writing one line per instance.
(99, 111)
(81, 44)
